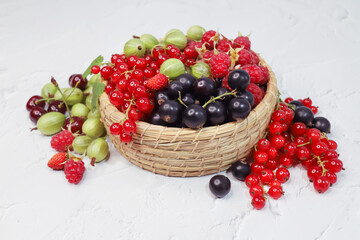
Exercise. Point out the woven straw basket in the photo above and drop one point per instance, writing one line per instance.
(182, 152)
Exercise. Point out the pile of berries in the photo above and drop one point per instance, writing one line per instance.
(295, 137)
(198, 80)
(66, 113)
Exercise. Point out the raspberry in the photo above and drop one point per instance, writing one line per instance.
(255, 59)
(219, 65)
(258, 93)
(245, 57)
(256, 74)
(225, 83)
(62, 141)
(208, 55)
(74, 170)
(265, 72)
(242, 41)
(223, 45)
(157, 82)
(57, 161)
(208, 38)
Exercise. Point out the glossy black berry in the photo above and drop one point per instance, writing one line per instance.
(296, 103)
(322, 124)
(174, 88)
(219, 185)
(170, 111)
(216, 113)
(188, 99)
(225, 99)
(240, 170)
(187, 80)
(239, 108)
(246, 95)
(239, 79)
(156, 119)
(161, 96)
(203, 89)
(194, 116)
(304, 114)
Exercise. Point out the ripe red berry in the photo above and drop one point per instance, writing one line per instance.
(260, 156)
(275, 183)
(133, 83)
(298, 129)
(208, 38)
(258, 202)
(313, 134)
(157, 82)
(282, 175)
(272, 152)
(74, 170)
(289, 99)
(331, 176)
(303, 153)
(252, 179)
(286, 161)
(321, 184)
(278, 116)
(266, 176)
(272, 164)
(109, 88)
(134, 114)
(332, 144)
(148, 72)
(116, 129)
(334, 165)
(122, 67)
(314, 172)
(57, 162)
(95, 69)
(34, 101)
(256, 168)
(116, 98)
(62, 141)
(314, 109)
(129, 126)
(308, 163)
(140, 91)
(125, 137)
(319, 148)
(106, 72)
(278, 141)
(275, 128)
(275, 192)
(143, 104)
(290, 149)
(256, 74)
(256, 190)
(242, 41)
(162, 58)
(263, 144)
(219, 65)
(137, 74)
(307, 102)
(140, 64)
(132, 61)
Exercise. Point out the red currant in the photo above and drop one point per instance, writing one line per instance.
(256, 190)
(278, 116)
(307, 102)
(278, 141)
(331, 176)
(133, 83)
(282, 175)
(308, 163)
(321, 184)
(275, 192)
(334, 165)
(122, 67)
(162, 58)
(258, 202)
(314, 172)
(129, 126)
(140, 91)
(275, 128)
(148, 72)
(290, 149)
(260, 156)
(109, 88)
(314, 109)
(319, 148)
(140, 64)
(313, 134)
(303, 153)
(116, 129)
(132, 61)
(252, 179)
(275, 183)
(143, 104)
(116, 98)
(95, 69)
(272, 152)
(266, 176)
(289, 99)
(298, 129)
(286, 161)
(125, 137)
(256, 168)
(134, 114)
(106, 72)
(272, 164)
(137, 74)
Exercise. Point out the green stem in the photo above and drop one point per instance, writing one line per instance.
(180, 100)
(132, 102)
(290, 106)
(321, 164)
(213, 99)
(304, 144)
(53, 81)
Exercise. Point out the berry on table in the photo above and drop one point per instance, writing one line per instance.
(74, 170)
(258, 202)
(57, 162)
(62, 141)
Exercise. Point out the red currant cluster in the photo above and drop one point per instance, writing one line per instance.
(287, 144)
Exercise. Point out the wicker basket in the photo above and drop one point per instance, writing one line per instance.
(182, 152)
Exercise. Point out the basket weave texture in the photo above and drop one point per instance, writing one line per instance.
(183, 152)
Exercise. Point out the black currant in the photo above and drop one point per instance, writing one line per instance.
(240, 170)
(239, 79)
(203, 89)
(194, 116)
(187, 80)
(220, 185)
(161, 96)
(156, 119)
(188, 99)
(296, 103)
(304, 114)
(170, 111)
(225, 99)
(246, 95)
(321, 123)
(174, 88)
(216, 113)
(239, 108)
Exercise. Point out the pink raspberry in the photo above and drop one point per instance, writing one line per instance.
(219, 65)
(257, 92)
(208, 38)
(74, 170)
(242, 41)
(266, 72)
(256, 74)
(255, 59)
(223, 45)
(62, 141)
(245, 57)
(208, 55)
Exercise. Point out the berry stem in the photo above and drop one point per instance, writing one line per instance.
(304, 144)
(53, 81)
(321, 164)
(213, 99)
(179, 99)
(132, 102)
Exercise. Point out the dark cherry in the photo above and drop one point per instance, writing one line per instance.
(216, 113)
(220, 185)
(321, 123)
(35, 113)
(57, 106)
(239, 108)
(76, 125)
(187, 80)
(32, 102)
(194, 116)
(170, 111)
(240, 170)
(247, 95)
(75, 78)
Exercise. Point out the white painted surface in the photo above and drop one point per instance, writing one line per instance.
(314, 49)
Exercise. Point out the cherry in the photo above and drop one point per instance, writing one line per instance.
(33, 101)
(321, 184)
(116, 129)
(76, 125)
(35, 113)
(256, 190)
(57, 106)
(282, 175)
(79, 80)
(275, 192)
(258, 202)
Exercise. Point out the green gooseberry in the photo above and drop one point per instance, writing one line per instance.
(172, 68)
(195, 32)
(93, 127)
(149, 41)
(80, 110)
(200, 69)
(98, 149)
(176, 38)
(48, 90)
(134, 47)
(94, 78)
(72, 95)
(80, 143)
(50, 123)
(94, 114)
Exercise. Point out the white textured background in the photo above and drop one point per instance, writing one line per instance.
(314, 49)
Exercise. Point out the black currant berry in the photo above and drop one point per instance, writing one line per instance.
(225, 99)
(239, 79)
(304, 114)
(170, 111)
(174, 88)
(220, 185)
(246, 95)
(240, 170)
(239, 108)
(322, 124)
(194, 116)
(187, 80)
(156, 119)
(161, 96)
(216, 113)
(296, 103)
(203, 89)
(188, 99)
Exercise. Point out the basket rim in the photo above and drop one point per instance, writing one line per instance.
(271, 91)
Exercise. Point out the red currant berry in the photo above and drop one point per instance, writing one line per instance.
(106, 72)
(314, 109)
(290, 149)
(275, 192)
(282, 175)
(303, 153)
(173, 52)
(182, 58)
(116, 129)
(133, 83)
(95, 69)
(122, 85)
(308, 163)
(115, 77)
(109, 88)
(313, 134)
(289, 99)
(190, 52)
(331, 154)
(289, 115)
(116, 98)
(275, 183)
(266, 176)
(258, 202)
(332, 144)
(334, 165)
(278, 116)
(286, 161)
(137, 74)
(148, 59)
(314, 172)
(272, 152)
(154, 65)
(272, 164)
(122, 67)
(114, 57)
(252, 179)
(263, 144)
(162, 58)
(129, 126)
(298, 129)
(275, 128)
(143, 104)
(140, 64)
(256, 190)
(140, 91)
(307, 102)
(278, 141)
(331, 176)
(134, 114)
(300, 140)
(260, 156)
(132, 61)
(319, 148)
(148, 72)
(321, 184)
(256, 168)
(157, 51)
(190, 62)
(125, 137)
